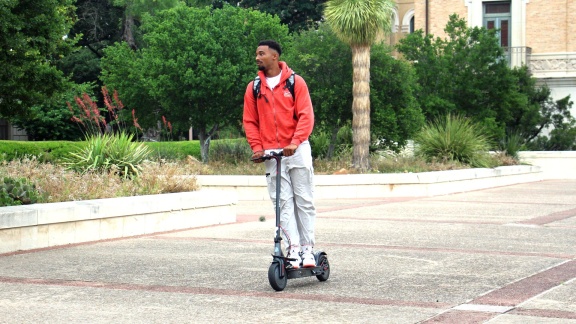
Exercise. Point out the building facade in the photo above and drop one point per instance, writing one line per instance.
(10, 132)
(538, 33)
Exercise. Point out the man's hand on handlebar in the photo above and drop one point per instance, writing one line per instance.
(260, 156)
(290, 149)
(256, 157)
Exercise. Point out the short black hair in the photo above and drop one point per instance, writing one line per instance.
(271, 44)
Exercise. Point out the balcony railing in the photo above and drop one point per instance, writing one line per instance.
(518, 55)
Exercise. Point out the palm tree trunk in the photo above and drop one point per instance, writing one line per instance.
(361, 107)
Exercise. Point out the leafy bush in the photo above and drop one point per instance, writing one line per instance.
(106, 152)
(454, 138)
(561, 138)
(175, 150)
(45, 151)
(57, 151)
(232, 151)
(319, 142)
(14, 192)
(512, 144)
(345, 134)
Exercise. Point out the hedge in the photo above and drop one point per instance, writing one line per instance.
(53, 151)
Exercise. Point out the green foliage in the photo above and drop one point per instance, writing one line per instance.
(459, 73)
(467, 73)
(395, 115)
(325, 63)
(331, 145)
(454, 138)
(45, 151)
(82, 65)
(58, 151)
(139, 8)
(512, 144)
(541, 111)
(111, 153)
(97, 26)
(232, 151)
(14, 192)
(359, 22)
(195, 67)
(31, 41)
(174, 150)
(51, 120)
(299, 15)
(561, 138)
(320, 144)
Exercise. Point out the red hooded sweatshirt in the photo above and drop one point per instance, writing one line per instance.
(275, 120)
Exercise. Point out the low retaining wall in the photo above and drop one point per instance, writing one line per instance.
(554, 164)
(384, 185)
(45, 225)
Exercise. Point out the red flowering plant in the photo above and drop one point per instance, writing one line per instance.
(91, 118)
(167, 129)
(110, 147)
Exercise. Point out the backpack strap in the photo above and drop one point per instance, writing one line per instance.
(256, 87)
(289, 85)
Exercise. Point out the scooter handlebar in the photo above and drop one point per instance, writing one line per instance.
(271, 155)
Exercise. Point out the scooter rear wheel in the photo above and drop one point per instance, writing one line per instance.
(323, 263)
(277, 281)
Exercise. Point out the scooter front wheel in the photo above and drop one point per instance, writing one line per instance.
(275, 277)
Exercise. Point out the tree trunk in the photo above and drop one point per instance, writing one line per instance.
(361, 107)
(128, 32)
(333, 139)
(204, 140)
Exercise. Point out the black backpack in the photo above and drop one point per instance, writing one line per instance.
(289, 85)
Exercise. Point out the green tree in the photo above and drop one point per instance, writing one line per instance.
(459, 73)
(32, 39)
(358, 23)
(541, 110)
(97, 27)
(51, 120)
(134, 10)
(299, 15)
(98, 24)
(467, 73)
(395, 115)
(195, 67)
(324, 62)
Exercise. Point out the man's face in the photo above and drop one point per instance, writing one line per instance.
(265, 57)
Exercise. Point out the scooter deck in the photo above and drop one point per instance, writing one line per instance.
(304, 272)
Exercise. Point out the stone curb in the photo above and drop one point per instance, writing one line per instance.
(45, 225)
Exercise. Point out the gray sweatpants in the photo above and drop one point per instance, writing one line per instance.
(297, 211)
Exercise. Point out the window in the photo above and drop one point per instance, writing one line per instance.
(497, 8)
(497, 16)
(408, 22)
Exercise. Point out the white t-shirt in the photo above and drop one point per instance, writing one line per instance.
(273, 81)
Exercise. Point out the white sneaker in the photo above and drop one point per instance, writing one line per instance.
(295, 254)
(308, 260)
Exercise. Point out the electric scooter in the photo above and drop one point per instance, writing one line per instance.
(280, 269)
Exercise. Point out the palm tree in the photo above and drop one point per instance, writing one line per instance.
(360, 23)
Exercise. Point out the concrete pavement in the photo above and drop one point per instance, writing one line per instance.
(500, 255)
